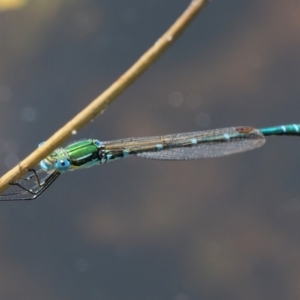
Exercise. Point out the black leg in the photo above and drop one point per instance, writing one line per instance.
(30, 193)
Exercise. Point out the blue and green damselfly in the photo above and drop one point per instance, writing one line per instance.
(181, 146)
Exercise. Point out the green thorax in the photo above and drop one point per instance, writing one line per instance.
(83, 154)
(81, 149)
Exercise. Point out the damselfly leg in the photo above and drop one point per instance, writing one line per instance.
(30, 187)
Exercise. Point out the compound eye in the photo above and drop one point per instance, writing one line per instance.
(62, 165)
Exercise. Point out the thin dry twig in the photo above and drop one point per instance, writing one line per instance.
(102, 101)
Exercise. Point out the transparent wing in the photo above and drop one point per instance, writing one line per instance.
(192, 145)
(207, 150)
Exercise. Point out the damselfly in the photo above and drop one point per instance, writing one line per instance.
(181, 146)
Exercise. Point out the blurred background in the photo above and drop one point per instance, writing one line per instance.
(224, 228)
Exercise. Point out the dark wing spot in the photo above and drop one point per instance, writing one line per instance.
(244, 129)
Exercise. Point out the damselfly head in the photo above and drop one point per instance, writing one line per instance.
(58, 160)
